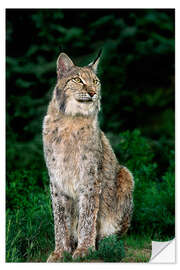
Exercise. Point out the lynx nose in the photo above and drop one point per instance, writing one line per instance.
(91, 93)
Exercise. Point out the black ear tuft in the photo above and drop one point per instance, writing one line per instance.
(98, 56)
(94, 64)
(64, 64)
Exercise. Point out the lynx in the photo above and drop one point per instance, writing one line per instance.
(91, 193)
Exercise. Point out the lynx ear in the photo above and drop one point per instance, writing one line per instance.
(94, 64)
(64, 64)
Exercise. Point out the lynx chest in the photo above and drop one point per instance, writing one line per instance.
(72, 151)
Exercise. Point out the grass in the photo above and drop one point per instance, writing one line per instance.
(31, 239)
(137, 248)
(29, 232)
(132, 249)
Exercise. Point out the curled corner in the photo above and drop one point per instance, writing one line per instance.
(163, 252)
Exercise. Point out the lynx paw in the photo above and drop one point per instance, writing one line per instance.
(80, 252)
(56, 256)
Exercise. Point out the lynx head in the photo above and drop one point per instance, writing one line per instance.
(78, 88)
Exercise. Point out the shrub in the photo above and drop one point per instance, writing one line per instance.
(22, 185)
(154, 195)
(110, 249)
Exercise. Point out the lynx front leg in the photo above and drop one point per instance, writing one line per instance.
(61, 210)
(88, 209)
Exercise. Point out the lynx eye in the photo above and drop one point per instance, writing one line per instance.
(95, 81)
(77, 80)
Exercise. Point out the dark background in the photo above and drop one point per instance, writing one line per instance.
(137, 75)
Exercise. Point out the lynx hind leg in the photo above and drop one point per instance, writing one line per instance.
(125, 185)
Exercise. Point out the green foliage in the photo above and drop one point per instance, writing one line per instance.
(22, 185)
(29, 234)
(29, 221)
(110, 249)
(154, 195)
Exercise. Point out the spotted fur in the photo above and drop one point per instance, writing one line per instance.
(91, 193)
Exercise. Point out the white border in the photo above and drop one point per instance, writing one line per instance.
(90, 4)
(2, 138)
(76, 4)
